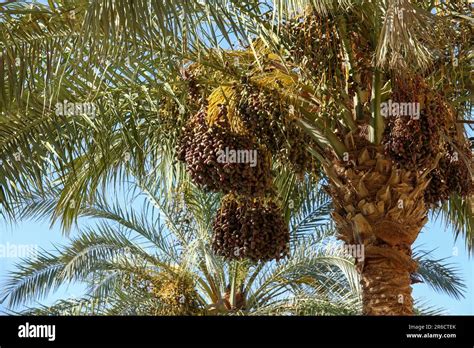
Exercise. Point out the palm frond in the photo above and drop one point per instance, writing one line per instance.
(458, 213)
(440, 275)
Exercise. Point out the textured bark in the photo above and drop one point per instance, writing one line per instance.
(386, 281)
(383, 209)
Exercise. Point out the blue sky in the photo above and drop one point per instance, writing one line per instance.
(433, 237)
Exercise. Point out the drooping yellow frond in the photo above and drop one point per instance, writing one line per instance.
(224, 95)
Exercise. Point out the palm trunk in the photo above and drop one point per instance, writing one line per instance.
(382, 209)
(386, 283)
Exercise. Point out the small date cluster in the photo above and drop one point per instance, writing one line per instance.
(173, 293)
(314, 43)
(416, 143)
(177, 294)
(413, 142)
(273, 126)
(251, 228)
(452, 175)
(200, 147)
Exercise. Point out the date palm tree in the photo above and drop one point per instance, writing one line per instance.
(332, 65)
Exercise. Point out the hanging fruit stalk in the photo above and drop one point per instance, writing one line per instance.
(250, 227)
(205, 150)
(274, 125)
(414, 140)
(174, 291)
(452, 175)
